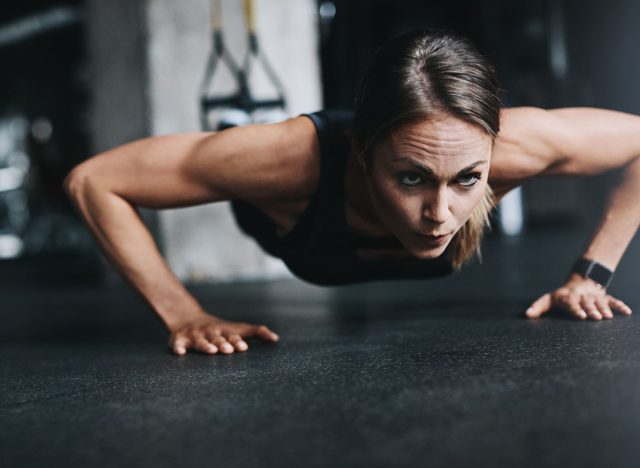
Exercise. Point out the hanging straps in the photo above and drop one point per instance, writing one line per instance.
(242, 99)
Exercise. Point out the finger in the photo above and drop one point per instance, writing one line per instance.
(588, 304)
(179, 345)
(604, 308)
(539, 306)
(204, 345)
(574, 307)
(215, 337)
(261, 331)
(618, 305)
(238, 343)
(222, 344)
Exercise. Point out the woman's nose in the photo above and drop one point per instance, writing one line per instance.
(436, 207)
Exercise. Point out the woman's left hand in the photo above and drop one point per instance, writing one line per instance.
(582, 298)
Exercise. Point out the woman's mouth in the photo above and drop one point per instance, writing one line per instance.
(433, 240)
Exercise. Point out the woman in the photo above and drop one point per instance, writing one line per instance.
(403, 188)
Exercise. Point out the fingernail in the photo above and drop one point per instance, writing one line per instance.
(276, 337)
(583, 315)
(529, 311)
(227, 347)
(242, 345)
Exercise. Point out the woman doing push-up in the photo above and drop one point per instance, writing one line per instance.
(402, 187)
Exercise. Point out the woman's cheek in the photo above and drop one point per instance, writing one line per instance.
(395, 207)
(467, 203)
(405, 206)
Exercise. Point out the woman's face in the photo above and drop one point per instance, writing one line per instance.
(426, 178)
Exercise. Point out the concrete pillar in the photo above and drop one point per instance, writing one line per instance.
(117, 66)
(116, 37)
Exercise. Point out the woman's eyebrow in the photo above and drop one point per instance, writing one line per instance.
(429, 171)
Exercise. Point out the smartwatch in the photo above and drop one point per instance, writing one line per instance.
(594, 271)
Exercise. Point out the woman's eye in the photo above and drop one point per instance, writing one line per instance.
(469, 180)
(410, 179)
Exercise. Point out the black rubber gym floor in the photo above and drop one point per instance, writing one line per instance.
(442, 373)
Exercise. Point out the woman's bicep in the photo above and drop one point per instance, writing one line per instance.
(189, 169)
(259, 162)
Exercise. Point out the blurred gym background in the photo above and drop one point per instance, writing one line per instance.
(80, 77)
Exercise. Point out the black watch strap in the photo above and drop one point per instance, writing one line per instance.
(594, 271)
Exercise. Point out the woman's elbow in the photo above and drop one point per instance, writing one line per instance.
(78, 178)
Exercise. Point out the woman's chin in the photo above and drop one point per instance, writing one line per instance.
(425, 253)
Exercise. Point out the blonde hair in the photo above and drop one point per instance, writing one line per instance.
(465, 245)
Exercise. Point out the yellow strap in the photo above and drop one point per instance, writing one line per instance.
(248, 13)
(216, 15)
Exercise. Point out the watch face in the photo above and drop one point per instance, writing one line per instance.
(594, 271)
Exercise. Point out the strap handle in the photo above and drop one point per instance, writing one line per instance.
(216, 16)
(249, 16)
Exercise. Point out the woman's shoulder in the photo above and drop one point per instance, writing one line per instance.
(521, 150)
(330, 124)
(286, 162)
(300, 156)
(290, 167)
(312, 135)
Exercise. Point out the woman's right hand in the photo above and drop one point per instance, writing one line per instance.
(209, 334)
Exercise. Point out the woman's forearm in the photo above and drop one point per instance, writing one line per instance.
(589, 141)
(619, 221)
(132, 251)
(581, 296)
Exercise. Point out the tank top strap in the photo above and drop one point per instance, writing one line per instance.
(330, 226)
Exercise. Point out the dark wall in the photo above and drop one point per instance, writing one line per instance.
(44, 83)
(44, 76)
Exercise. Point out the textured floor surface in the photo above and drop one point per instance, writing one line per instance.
(442, 373)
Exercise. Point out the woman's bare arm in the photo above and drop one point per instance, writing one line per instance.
(582, 141)
(259, 162)
(606, 140)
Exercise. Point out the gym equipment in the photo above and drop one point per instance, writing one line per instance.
(240, 107)
(15, 168)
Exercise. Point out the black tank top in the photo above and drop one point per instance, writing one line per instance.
(320, 249)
